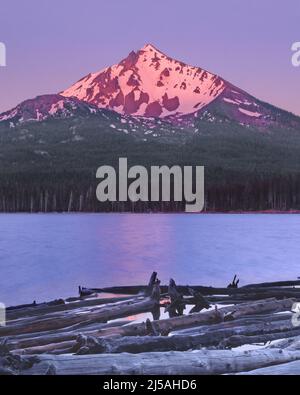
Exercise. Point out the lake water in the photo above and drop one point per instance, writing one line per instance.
(43, 257)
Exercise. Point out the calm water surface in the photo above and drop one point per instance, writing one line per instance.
(44, 257)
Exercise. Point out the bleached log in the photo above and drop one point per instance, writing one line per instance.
(243, 321)
(288, 344)
(51, 348)
(49, 309)
(206, 318)
(51, 335)
(138, 344)
(75, 311)
(204, 362)
(259, 308)
(59, 305)
(56, 336)
(209, 335)
(240, 340)
(284, 369)
(206, 336)
(103, 315)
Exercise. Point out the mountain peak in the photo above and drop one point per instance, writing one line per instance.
(150, 48)
(149, 83)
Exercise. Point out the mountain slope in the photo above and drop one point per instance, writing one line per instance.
(236, 105)
(47, 106)
(149, 83)
(51, 165)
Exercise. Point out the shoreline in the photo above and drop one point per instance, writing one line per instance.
(262, 212)
(213, 330)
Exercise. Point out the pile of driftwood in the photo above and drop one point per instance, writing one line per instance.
(203, 335)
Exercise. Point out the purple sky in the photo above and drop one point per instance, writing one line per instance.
(53, 43)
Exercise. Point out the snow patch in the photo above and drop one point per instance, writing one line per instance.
(250, 113)
(231, 101)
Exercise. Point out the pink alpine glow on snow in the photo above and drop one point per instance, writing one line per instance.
(149, 83)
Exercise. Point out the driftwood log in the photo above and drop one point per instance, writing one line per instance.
(102, 315)
(243, 292)
(45, 308)
(39, 335)
(138, 344)
(177, 305)
(213, 335)
(247, 320)
(43, 338)
(203, 362)
(240, 340)
(287, 369)
(234, 283)
(235, 326)
(166, 326)
(199, 300)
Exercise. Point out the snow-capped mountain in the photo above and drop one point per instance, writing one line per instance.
(45, 107)
(149, 83)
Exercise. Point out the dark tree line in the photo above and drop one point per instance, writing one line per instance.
(60, 193)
